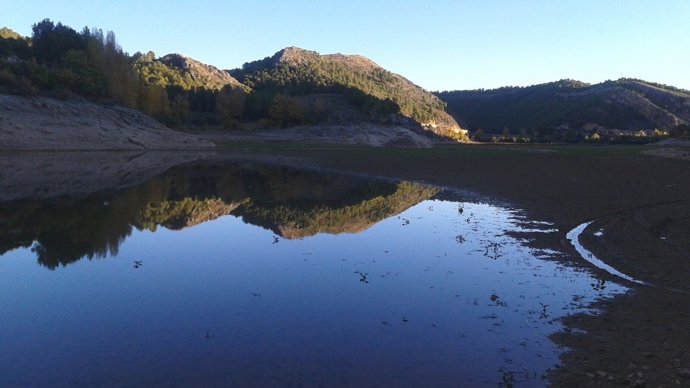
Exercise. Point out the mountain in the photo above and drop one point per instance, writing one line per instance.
(306, 77)
(181, 71)
(549, 110)
(293, 88)
(8, 33)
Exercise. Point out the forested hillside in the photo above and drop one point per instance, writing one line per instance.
(293, 73)
(300, 87)
(59, 60)
(573, 110)
(293, 87)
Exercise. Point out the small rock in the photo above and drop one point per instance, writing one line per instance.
(639, 383)
(601, 373)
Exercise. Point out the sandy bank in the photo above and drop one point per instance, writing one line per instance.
(347, 134)
(42, 123)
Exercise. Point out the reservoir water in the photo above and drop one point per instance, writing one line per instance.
(252, 275)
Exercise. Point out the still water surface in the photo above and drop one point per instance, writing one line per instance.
(259, 276)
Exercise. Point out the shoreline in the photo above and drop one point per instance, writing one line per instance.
(566, 185)
(637, 338)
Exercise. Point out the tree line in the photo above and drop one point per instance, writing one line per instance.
(377, 91)
(59, 61)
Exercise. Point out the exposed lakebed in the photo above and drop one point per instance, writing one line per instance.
(236, 274)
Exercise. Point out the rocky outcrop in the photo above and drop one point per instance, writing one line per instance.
(210, 77)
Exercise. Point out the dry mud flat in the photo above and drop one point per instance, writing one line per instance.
(639, 201)
(642, 339)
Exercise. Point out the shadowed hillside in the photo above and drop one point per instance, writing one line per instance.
(557, 110)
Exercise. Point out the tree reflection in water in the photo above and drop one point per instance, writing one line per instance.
(291, 203)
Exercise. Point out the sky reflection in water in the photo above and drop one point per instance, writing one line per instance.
(435, 295)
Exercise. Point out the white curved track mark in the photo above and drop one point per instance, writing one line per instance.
(574, 237)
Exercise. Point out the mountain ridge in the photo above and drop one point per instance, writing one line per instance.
(177, 70)
(551, 109)
(300, 88)
(297, 71)
(209, 75)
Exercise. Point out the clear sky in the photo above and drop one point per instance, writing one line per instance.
(439, 45)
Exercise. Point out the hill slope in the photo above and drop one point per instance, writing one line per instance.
(294, 87)
(360, 83)
(547, 109)
(184, 72)
(43, 123)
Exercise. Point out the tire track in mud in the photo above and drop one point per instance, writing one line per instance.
(573, 236)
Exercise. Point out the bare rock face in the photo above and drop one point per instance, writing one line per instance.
(42, 123)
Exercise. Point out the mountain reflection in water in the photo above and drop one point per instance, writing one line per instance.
(252, 275)
(292, 203)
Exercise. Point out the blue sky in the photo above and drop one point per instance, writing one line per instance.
(439, 45)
